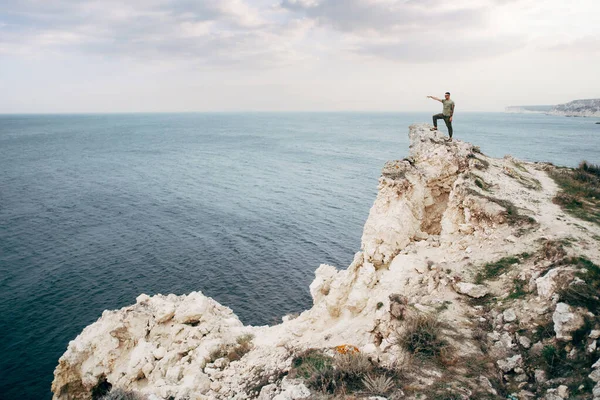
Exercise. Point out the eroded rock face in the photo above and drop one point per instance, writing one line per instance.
(439, 217)
(413, 195)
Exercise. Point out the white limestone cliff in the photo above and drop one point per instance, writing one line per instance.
(439, 214)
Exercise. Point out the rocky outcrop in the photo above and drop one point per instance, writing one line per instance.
(474, 242)
(578, 108)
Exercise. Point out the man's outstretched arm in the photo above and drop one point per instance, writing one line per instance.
(435, 98)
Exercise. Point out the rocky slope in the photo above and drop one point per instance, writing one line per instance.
(473, 243)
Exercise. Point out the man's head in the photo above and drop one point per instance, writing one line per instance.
(447, 95)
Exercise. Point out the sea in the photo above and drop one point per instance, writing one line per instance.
(97, 209)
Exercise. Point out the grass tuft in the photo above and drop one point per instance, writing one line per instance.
(495, 269)
(378, 385)
(423, 338)
(580, 191)
(584, 293)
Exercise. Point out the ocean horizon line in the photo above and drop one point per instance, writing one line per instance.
(234, 112)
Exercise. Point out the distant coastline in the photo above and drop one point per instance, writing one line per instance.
(575, 108)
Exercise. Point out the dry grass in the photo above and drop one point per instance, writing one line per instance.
(378, 385)
(423, 338)
(234, 352)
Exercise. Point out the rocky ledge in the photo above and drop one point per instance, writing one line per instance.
(470, 283)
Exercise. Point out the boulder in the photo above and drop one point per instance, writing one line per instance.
(566, 321)
(471, 289)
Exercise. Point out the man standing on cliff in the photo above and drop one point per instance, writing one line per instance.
(446, 114)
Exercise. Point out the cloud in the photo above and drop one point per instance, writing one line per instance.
(412, 30)
(387, 15)
(209, 31)
(435, 50)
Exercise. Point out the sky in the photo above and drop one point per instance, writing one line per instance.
(63, 56)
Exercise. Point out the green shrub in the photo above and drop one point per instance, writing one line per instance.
(580, 191)
(495, 269)
(585, 293)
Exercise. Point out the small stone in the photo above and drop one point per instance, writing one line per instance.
(142, 299)
(563, 391)
(566, 321)
(595, 375)
(511, 239)
(159, 353)
(595, 334)
(221, 362)
(540, 376)
(510, 363)
(509, 315)
(485, 382)
(471, 289)
(525, 341)
(521, 377)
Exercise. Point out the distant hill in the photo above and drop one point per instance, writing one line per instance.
(575, 108)
(578, 108)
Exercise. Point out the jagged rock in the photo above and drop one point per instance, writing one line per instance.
(471, 289)
(540, 376)
(509, 315)
(566, 321)
(485, 382)
(595, 375)
(292, 390)
(524, 341)
(563, 391)
(510, 363)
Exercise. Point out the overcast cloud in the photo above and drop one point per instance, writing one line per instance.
(207, 55)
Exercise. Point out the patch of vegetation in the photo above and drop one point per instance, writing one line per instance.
(481, 163)
(262, 379)
(544, 330)
(352, 372)
(585, 292)
(423, 338)
(379, 305)
(572, 369)
(378, 385)
(495, 269)
(511, 211)
(234, 352)
(519, 166)
(528, 182)
(479, 182)
(554, 360)
(518, 289)
(580, 191)
(443, 306)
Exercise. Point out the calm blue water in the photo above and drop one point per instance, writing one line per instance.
(96, 209)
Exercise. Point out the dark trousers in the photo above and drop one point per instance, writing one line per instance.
(446, 120)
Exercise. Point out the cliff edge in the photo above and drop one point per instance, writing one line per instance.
(470, 282)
